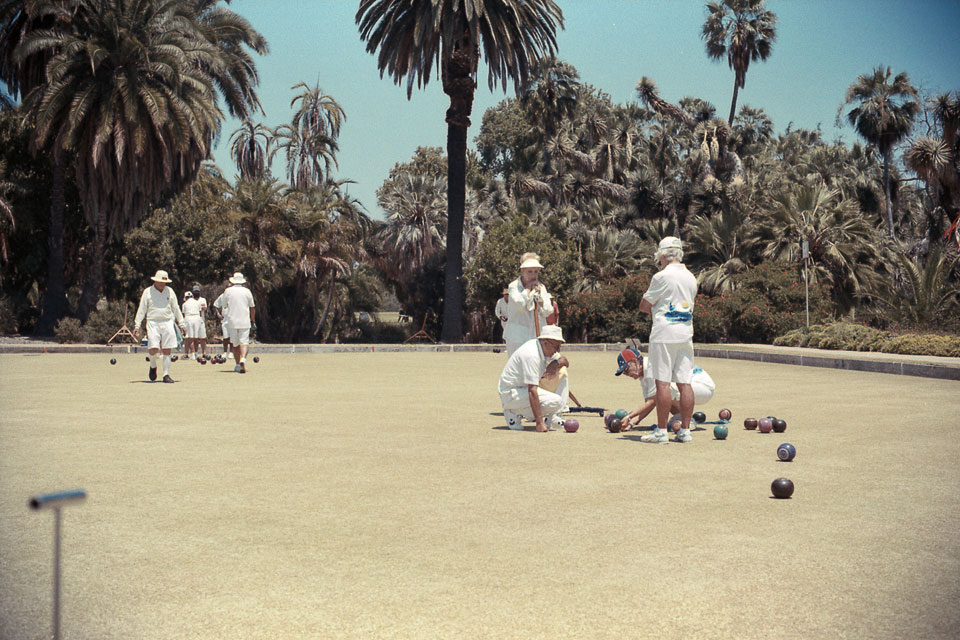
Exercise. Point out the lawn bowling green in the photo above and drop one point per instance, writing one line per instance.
(371, 495)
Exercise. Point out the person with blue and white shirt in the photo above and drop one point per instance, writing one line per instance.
(633, 365)
(670, 299)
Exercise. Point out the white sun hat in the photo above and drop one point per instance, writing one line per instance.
(238, 278)
(668, 245)
(552, 332)
(161, 276)
(530, 260)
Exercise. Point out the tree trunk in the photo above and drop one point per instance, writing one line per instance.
(886, 191)
(54, 304)
(452, 331)
(733, 103)
(458, 83)
(326, 307)
(94, 283)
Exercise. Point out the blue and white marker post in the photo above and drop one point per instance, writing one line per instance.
(56, 501)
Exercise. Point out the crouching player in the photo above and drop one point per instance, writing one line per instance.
(520, 393)
(631, 363)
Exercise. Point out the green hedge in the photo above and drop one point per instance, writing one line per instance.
(848, 336)
(609, 314)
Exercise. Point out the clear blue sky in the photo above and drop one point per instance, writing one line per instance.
(822, 46)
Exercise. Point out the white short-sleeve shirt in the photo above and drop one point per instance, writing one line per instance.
(671, 294)
(236, 302)
(525, 367)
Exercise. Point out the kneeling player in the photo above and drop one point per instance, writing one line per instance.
(630, 362)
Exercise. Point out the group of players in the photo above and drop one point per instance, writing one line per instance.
(533, 384)
(159, 308)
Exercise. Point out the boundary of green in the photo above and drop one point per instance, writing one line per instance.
(907, 365)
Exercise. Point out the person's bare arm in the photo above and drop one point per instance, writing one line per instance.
(645, 306)
(634, 417)
(534, 396)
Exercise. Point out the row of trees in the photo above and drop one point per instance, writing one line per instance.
(560, 169)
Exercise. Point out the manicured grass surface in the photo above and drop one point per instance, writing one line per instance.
(378, 496)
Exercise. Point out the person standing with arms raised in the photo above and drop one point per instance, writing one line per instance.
(669, 299)
(529, 304)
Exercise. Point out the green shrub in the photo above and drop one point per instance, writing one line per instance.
(69, 330)
(848, 336)
(710, 319)
(8, 316)
(609, 314)
(105, 321)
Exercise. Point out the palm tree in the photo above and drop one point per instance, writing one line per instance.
(8, 223)
(250, 148)
(743, 31)
(413, 34)
(936, 160)
(844, 249)
(131, 93)
(549, 96)
(883, 116)
(926, 294)
(22, 74)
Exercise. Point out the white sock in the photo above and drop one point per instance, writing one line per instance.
(166, 365)
(243, 360)
(153, 361)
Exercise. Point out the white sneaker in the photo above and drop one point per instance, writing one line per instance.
(514, 421)
(683, 436)
(657, 437)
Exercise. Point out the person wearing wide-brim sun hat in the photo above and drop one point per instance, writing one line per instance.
(521, 395)
(239, 312)
(159, 307)
(529, 304)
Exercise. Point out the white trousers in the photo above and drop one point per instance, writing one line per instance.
(518, 401)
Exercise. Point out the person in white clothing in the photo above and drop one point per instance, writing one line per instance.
(202, 334)
(158, 306)
(556, 380)
(240, 312)
(520, 393)
(193, 321)
(529, 304)
(669, 299)
(224, 327)
(502, 309)
(633, 365)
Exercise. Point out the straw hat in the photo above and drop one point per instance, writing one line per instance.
(552, 332)
(529, 260)
(161, 276)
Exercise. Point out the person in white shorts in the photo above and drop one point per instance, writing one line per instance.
(224, 327)
(158, 305)
(202, 334)
(669, 299)
(193, 321)
(631, 363)
(240, 312)
(520, 393)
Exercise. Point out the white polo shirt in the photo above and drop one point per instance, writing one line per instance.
(191, 307)
(671, 294)
(236, 302)
(525, 367)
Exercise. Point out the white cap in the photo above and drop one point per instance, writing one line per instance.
(161, 276)
(238, 278)
(670, 244)
(552, 332)
(530, 260)
(187, 295)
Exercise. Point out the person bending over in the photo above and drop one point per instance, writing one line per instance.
(519, 388)
(633, 365)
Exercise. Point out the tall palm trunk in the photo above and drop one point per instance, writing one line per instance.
(733, 103)
(94, 283)
(458, 83)
(55, 304)
(888, 200)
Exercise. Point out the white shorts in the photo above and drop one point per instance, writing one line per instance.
(195, 328)
(671, 361)
(517, 401)
(239, 336)
(225, 330)
(161, 335)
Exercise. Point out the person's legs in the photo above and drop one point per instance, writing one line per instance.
(516, 406)
(682, 357)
